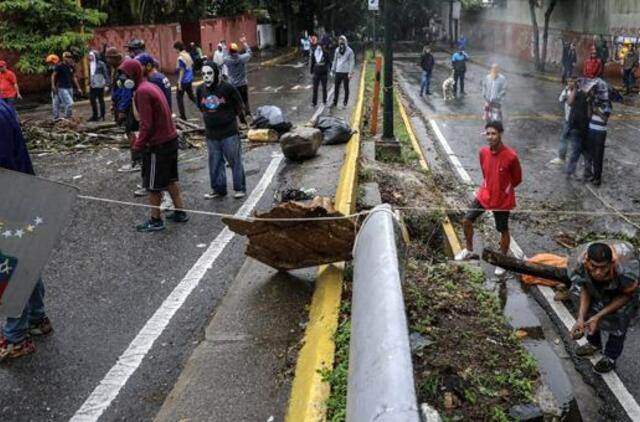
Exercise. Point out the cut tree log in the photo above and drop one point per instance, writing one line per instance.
(524, 267)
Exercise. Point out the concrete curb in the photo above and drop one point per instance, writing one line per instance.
(281, 59)
(308, 391)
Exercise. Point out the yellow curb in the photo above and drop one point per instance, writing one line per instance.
(280, 59)
(453, 243)
(308, 391)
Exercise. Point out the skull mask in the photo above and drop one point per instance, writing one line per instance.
(210, 74)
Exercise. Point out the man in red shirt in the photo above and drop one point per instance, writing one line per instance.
(593, 66)
(502, 174)
(157, 140)
(9, 89)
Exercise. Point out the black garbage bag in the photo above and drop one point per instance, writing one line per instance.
(271, 117)
(334, 130)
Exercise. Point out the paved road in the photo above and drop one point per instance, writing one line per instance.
(104, 280)
(533, 120)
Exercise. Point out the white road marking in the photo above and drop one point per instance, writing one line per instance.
(455, 161)
(308, 86)
(278, 88)
(110, 386)
(267, 88)
(296, 87)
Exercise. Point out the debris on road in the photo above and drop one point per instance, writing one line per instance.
(289, 245)
(302, 194)
(301, 143)
(263, 135)
(334, 130)
(271, 117)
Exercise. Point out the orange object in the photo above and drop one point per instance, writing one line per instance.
(546, 259)
(376, 97)
(52, 59)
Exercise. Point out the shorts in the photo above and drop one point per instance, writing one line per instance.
(130, 122)
(501, 217)
(160, 166)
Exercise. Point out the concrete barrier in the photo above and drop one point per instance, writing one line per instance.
(381, 383)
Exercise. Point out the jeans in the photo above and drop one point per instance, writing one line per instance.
(576, 139)
(564, 141)
(458, 76)
(593, 160)
(613, 348)
(342, 78)
(96, 96)
(425, 82)
(188, 88)
(628, 79)
(64, 97)
(243, 90)
(228, 149)
(319, 78)
(16, 329)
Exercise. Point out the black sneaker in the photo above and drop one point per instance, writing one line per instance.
(605, 365)
(151, 225)
(41, 327)
(178, 217)
(586, 350)
(596, 182)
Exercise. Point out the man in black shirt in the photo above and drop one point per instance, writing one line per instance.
(221, 105)
(578, 125)
(63, 80)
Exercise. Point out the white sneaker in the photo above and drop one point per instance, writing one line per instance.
(128, 168)
(557, 161)
(167, 203)
(499, 271)
(140, 192)
(239, 194)
(465, 255)
(212, 195)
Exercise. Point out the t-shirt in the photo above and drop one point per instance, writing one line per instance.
(64, 76)
(220, 106)
(163, 83)
(7, 84)
(187, 76)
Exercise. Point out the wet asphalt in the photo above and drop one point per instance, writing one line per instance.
(104, 280)
(533, 120)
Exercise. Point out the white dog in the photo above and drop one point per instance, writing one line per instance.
(447, 88)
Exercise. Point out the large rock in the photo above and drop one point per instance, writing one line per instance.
(301, 143)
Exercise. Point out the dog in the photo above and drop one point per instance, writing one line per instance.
(447, 88)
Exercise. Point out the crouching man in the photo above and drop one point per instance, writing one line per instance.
(604, 278)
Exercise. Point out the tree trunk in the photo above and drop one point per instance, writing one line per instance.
(523, 267)
(536, 34)
(451, 22)
(545, 34)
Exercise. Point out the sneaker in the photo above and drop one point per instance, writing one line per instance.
(557, 161)
(40, 328)
(465, 255)
(239, 194)
(214, 195)
(605, 365)
(15, 350)
(128, 168)
(586, 350)
(150, 226)
(140, 192)
(167, 203)
(499, 271)
(596, 182)
(178, 217)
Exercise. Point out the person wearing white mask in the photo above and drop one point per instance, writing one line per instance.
(98, 80)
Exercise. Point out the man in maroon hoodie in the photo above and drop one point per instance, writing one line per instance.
(158, 141)
(502, 174)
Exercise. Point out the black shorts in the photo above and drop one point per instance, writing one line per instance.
(501, 217)
(130, 122)
(160, 166)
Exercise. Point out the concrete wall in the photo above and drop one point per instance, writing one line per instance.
(266, 36)
(231, 29)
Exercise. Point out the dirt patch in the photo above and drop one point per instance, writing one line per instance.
(473, 367)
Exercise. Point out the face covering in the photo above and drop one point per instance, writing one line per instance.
(209, 75)
(125, 82)
(342, 48)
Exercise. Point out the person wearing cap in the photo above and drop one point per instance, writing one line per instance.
(98, 81)
(236, 64)
(221, 106)
(344, 61)
(9, 89)
(604, 286)
(184, 68)
(157, 142)
(63, 80)
(150, 67)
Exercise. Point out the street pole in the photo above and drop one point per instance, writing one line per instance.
(375, 18)
(85, 62)
(387, 130)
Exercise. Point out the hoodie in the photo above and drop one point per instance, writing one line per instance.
(98, 71)
(236, 67)
(154, 115)
(13, 149)
(343, 62)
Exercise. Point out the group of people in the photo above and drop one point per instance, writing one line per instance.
(323, 63)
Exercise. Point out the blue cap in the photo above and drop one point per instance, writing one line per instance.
(145, 59)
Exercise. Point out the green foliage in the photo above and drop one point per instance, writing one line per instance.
(338, 376)
(36, 28)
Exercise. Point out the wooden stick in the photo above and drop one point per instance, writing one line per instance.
(548, 272)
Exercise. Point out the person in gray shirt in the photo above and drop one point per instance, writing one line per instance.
(235, 62)
(494, 88)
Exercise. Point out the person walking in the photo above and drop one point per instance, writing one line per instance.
(221, 105)
(602, 51)
(98, 81)
(494, 89)
(629, 64)
(569, 59)
(427, 62)
(320, 63)
(459, 65)
(344, 61)
(305, 46)
(236, 64)
(593, 66)
(9, 89)
(63, 80)
(16, 333)
(502, 174)
(157, 141)
(578, 126)
(184, 68)
(564, 135)
(604, 277)
(596, 137)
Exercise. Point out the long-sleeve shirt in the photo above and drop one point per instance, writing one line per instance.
(156, 125)
(13, 149)
(220, 106)
(343, 62)
(236, 65)
(494, 90)
(502, 174)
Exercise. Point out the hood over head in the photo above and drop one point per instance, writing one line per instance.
(343, 39)
(133, 69)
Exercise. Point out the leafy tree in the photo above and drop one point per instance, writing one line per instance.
(36, 28)
(540, 58)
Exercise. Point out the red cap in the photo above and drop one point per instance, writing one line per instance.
(3, 63)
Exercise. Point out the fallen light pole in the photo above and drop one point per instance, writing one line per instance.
(548, 272)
